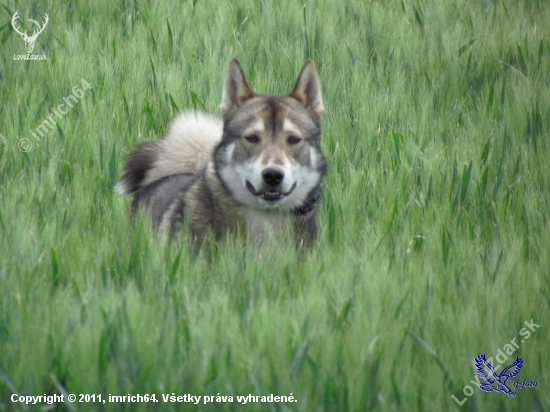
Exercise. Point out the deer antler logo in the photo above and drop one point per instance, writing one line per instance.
(30, 40)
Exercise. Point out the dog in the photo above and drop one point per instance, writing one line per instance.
(258, 169)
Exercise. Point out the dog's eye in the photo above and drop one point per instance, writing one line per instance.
(294, 140)
(252, 138)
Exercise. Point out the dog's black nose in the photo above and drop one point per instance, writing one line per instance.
(273, 176)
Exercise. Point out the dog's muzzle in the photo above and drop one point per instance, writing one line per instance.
(272, 177)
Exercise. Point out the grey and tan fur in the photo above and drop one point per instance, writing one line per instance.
(260, 168)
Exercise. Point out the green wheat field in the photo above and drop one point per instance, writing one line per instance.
(434, 222)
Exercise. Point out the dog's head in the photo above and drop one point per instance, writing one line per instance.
(270, 155)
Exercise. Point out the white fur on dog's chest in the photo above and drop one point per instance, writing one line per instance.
(259, 223)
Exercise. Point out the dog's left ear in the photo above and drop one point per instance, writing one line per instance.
(236, 89)
(307, 89)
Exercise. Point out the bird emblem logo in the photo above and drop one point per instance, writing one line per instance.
(496, 382)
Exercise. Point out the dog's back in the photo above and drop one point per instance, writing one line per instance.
(159, 172)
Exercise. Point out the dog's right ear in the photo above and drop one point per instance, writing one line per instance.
(236, 89)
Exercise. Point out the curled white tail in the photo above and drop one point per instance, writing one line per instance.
(187, 148)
